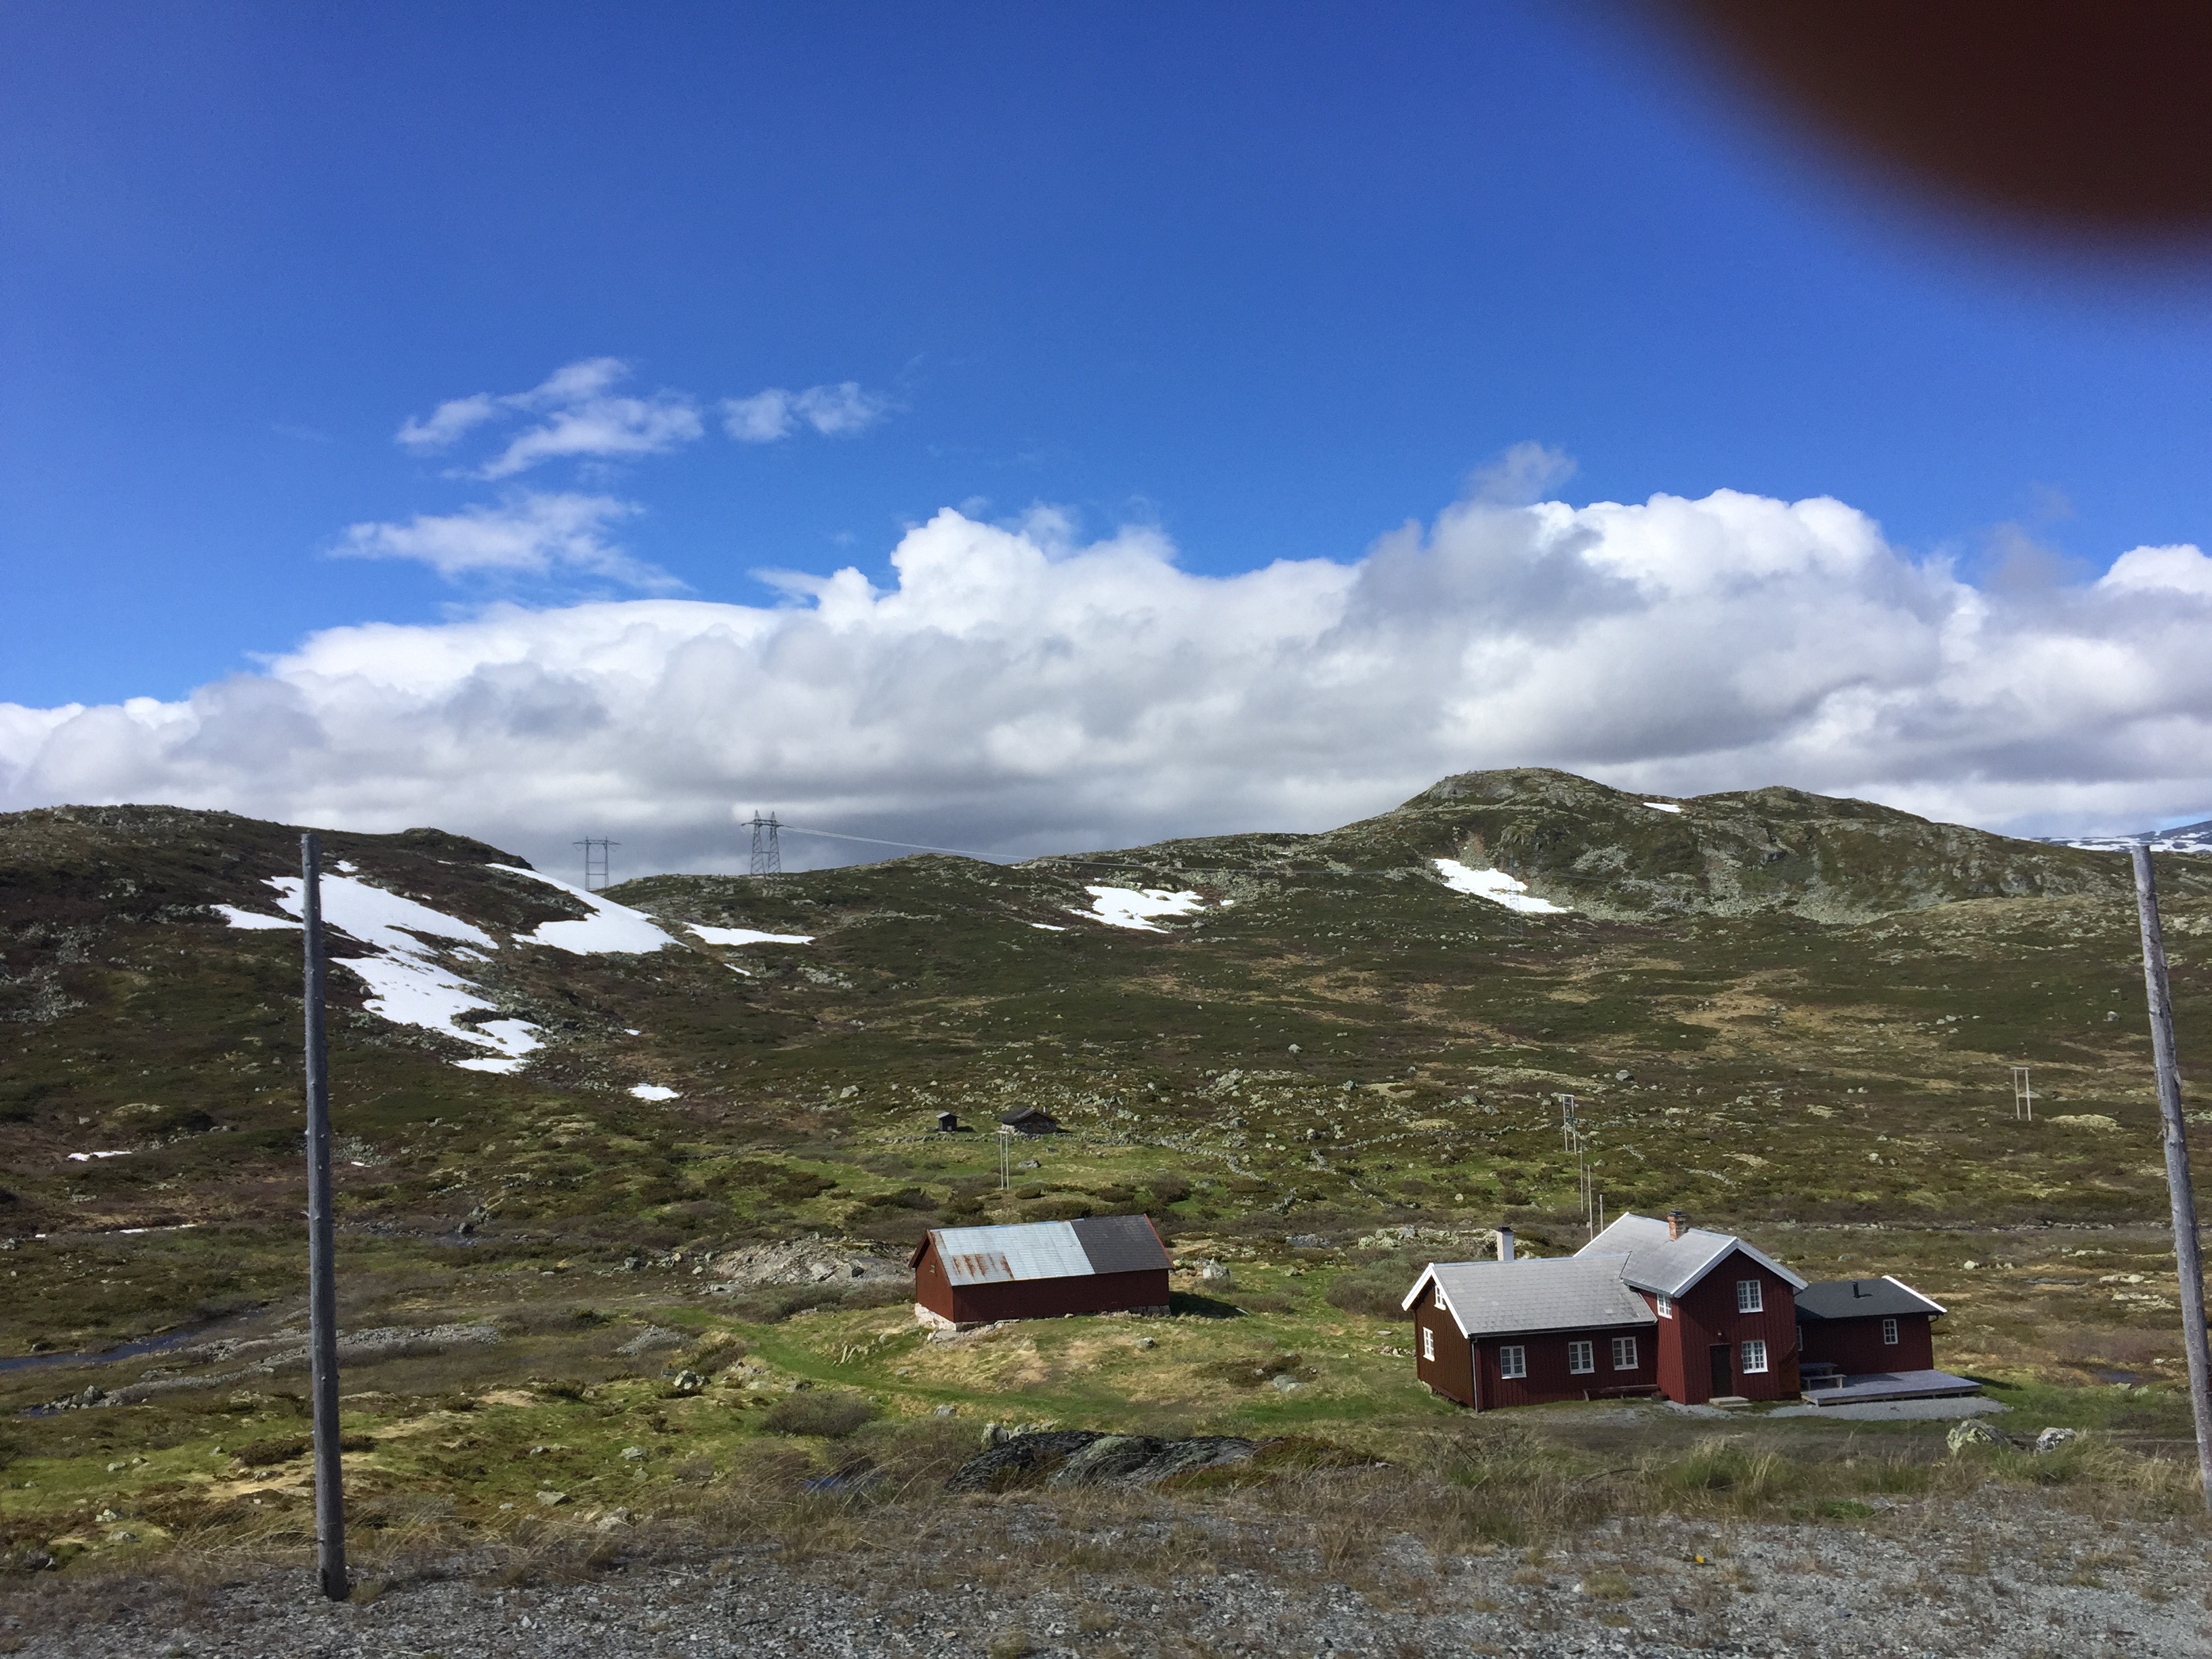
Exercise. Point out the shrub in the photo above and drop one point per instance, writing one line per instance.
(1374, 1292)
(833, 1414)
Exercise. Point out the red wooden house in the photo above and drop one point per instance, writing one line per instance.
(965, 1277)
(1646, 1307)
(1862, 1325)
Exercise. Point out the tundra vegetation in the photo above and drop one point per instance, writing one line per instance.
(1794, 1016)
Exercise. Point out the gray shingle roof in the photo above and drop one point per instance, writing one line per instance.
(1862, 1299)
(1120, 1244)
(1555, 1294)
(1670, 1267)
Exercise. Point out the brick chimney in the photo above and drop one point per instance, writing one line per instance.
(1505, 1243)
(1676, 1223)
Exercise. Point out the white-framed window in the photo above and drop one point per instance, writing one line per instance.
(1754, 1357)
(1428, 1343)
(1749, 1297)
(1582, 1357)
(1512, 1360)
(1623, 1353)
(1889, 1332)
(1665, 1306)
(1439, 1295)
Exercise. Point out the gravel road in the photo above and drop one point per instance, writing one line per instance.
(2017, 1581)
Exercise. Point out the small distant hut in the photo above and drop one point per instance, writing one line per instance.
(1030, 1120)
(965, 1277)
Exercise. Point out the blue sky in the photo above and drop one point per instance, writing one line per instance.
(1273, 281)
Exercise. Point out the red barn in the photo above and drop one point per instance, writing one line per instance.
(1646, 1307)
(1863, 1325)
(965, 1277)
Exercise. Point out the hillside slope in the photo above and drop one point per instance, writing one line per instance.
(1770, 1003)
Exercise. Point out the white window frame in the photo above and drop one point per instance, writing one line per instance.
(1754, 1356)
(1439, 1294)
(1582, 1359)
(1889, 1334)
(1750, 1296)
(1623, 1353)
(1665, 1306)
(1512, 1362)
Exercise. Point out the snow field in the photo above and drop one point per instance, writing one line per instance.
(745, 936)
(1496, 886)
(253, 921)
(610, 929)
(1129, 906)
(409, 987)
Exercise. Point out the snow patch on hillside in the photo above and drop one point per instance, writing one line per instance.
(611, 929)
(253, 921)
(652, 1091)
(1662, 806)
(382, 920)
(2184, 838)
(745, 936)
(1129, 906)
(1496, 886)
(408, 985)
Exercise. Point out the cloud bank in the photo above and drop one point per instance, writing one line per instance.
(1014, 692)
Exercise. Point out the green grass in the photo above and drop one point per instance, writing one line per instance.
(1829, 1074)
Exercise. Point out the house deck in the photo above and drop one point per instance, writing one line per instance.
(1858, 1390)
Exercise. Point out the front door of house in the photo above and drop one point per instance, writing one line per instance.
(1723, 1381)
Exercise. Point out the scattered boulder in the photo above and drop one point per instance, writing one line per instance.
(2051, 1440)
(652, 1339)
(1085, 1457)
(808, 1261)
(1972, 1433)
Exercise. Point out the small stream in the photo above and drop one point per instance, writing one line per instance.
(133, 1349)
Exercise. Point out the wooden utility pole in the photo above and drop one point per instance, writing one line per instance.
(2189, 1260)
(322, 1272)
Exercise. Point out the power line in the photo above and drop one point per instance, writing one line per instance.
(879, 841)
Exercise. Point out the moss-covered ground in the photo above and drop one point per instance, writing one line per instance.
(1335, 1068)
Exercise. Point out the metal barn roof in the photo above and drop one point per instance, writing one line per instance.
(1048, 1249)
(1670, 1267)
(1862, 1299)
(1551, 1293)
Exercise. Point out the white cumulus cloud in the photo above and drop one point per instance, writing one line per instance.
(530, 534)
(835, 412)
(1013, 690)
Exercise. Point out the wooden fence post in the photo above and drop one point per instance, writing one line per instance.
(2188, 1257)
(322, 1271)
